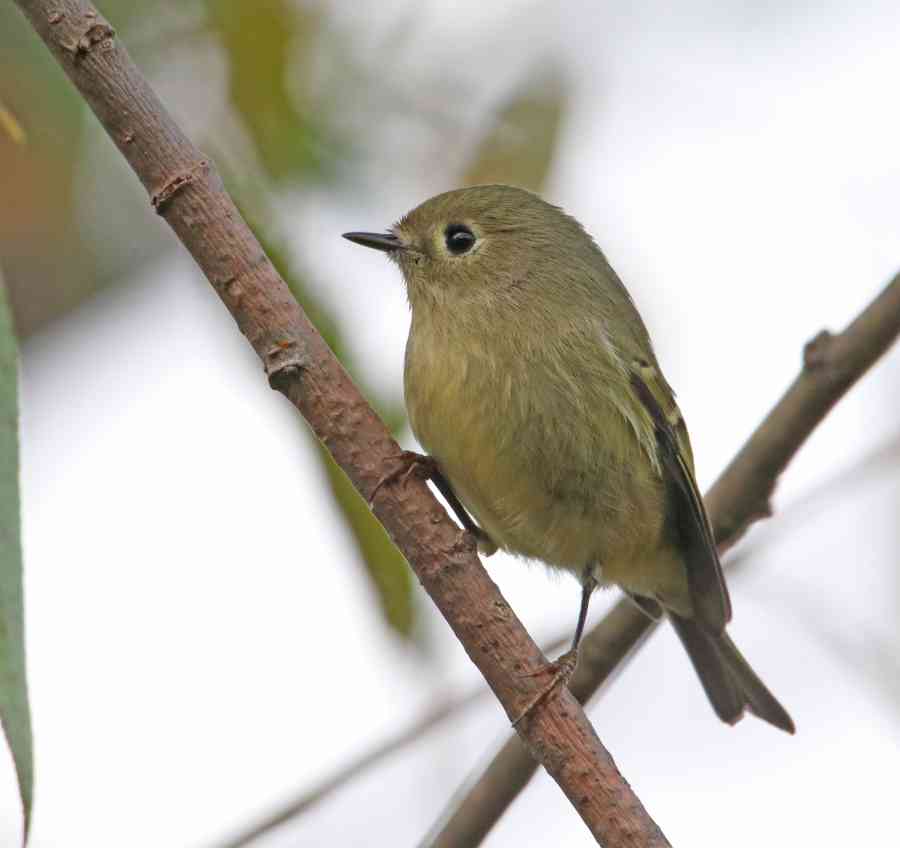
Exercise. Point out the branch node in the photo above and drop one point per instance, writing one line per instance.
(284, 362)
(101, 34)
(815, 353)
(173, 185)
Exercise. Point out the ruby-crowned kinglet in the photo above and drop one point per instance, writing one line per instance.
(532, 383)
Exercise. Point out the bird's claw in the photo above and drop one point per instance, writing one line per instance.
(409, 463)
(426, 467)
(561, 669)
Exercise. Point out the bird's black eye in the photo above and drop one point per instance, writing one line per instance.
(459, 239)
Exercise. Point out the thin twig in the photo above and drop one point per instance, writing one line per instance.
(187, 192)
(428, 721)
(831, 365)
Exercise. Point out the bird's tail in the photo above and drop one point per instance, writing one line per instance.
(730, 684)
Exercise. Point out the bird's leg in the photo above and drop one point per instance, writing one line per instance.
(486, 545)
(563, 667)
(587, 587)
(427, 468)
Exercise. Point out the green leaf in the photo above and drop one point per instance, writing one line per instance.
(519, 147)
(14, 711)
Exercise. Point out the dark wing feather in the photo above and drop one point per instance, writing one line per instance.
(712, 607)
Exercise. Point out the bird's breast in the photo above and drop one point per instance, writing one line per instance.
(543, 462)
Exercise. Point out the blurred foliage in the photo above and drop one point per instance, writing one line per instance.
(519, 147)
(270, 45)
(300, 107)
(39, 230)
(14, 711)
(59, 243)
(51, 260)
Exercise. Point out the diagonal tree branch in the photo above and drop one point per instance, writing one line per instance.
(831, 365)
(186, 191)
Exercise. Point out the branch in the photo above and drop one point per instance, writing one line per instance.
(186, 191)
(831, 365)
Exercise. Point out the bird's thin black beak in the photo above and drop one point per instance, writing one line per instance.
(387, 242)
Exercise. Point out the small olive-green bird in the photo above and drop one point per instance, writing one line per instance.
(531, 381)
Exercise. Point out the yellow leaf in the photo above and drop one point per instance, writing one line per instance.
(11, 126)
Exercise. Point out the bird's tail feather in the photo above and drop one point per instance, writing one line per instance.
(730, 683)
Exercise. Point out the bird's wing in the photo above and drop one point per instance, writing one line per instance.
(709, 595)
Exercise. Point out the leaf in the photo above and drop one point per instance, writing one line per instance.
(14, 712)
(519, 147)
(10, 126)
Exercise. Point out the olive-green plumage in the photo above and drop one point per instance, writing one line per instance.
(531, 380)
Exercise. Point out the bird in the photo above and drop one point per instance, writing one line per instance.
(531, 382)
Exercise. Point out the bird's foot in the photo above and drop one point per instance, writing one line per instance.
(408, 463)
(561, 670)
(426, 467)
